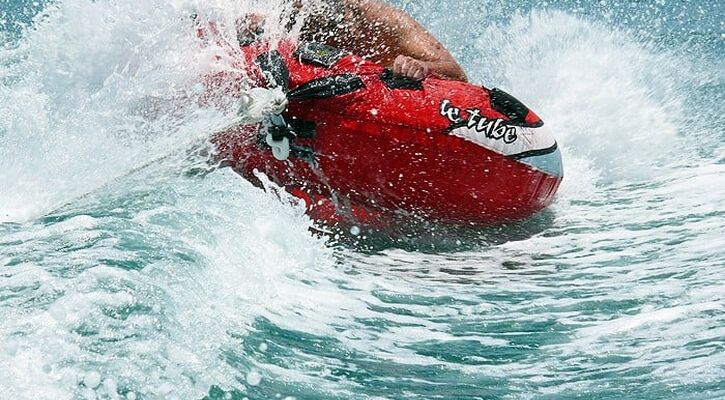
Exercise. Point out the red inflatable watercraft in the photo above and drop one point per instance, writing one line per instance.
(358, 144)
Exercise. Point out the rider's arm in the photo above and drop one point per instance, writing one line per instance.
(420, 52)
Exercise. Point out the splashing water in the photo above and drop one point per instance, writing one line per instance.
(88, 100)
(123, 275)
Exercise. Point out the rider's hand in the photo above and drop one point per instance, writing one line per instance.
(410, 67)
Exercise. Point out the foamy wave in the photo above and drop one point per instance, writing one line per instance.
(614, 102)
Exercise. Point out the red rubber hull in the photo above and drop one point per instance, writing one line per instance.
(381, 154)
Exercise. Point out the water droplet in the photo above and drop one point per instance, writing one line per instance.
(254, 378)
(92, 379)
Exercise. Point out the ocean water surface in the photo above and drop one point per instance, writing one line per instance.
(124, 275)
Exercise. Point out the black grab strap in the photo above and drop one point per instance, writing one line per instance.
(329, 86)
(400, 82)
(319, 54)
(273, 66)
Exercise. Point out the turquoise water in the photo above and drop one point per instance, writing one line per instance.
(123, 275)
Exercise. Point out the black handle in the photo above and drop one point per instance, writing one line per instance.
(400, 82)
